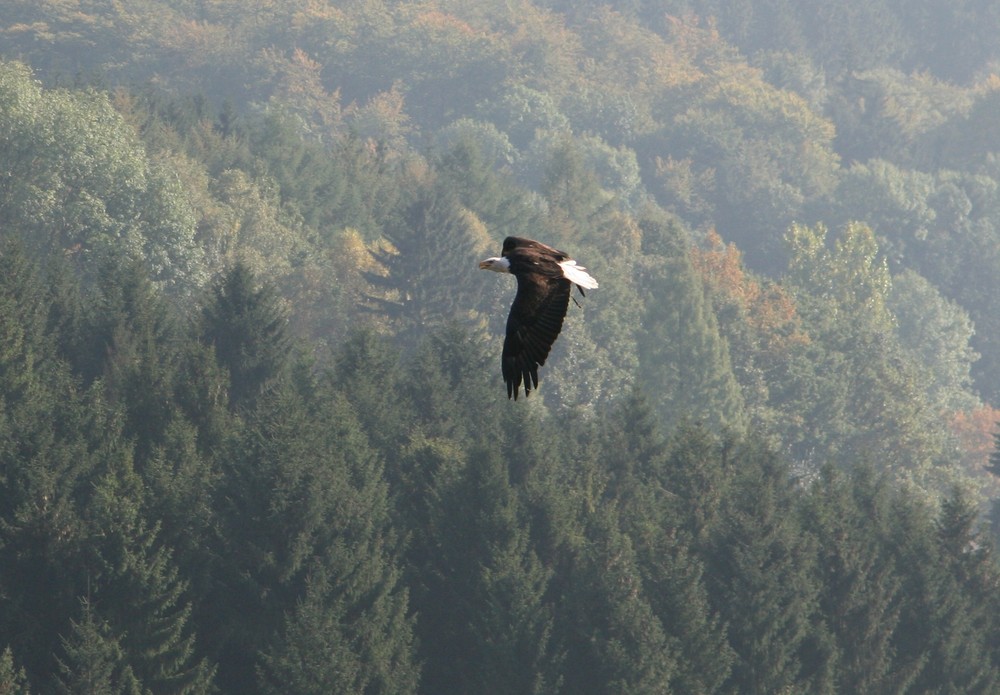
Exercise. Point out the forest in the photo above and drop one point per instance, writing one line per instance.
(253, 432)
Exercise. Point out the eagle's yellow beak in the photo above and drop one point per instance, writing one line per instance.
(484, 265)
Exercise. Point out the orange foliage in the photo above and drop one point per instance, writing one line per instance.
(699, 41)
(618, 47)
(295, 76)
(198, 42)
(769, 311)
(722, 267)
(316, 12)
(441, 22)
(298, 82)
(973, 430)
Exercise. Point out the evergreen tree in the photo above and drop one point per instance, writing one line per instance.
(638, 458)
(933, 602)
(247, 327)
(306, 501)
(133, 581)
(367, 370)
(324, 648)
(93, 661)
(12, 679)
(48, 434)
(479, 588)
(763, 582)
(307, 176)
(313, 654)
(578, 206)
(634, 449)
(201, 396)
(135, 333)
(700, 468)
(674, 577)
(503, 208)
(434, 238)
(23, 312)
(860, 598)
(449, 382)
(960, 626)
(614, 641)
(683, 359)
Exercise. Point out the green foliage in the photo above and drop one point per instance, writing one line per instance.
(759, 551)
(616, 642)
(134, 583)
(306, 505)
(683, 360)
(936, 333)
(94, 660)
(79, 182)
(428, 263)
(862, 598)
(303, 476)
(12, 679)
(843, 294)
(487, 625)
(245, 324)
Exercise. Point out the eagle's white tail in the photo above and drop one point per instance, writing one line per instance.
(577, 274)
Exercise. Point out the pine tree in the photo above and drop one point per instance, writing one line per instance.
(494, 199)
(246, 325)
(860, 598)
(324, 647)
(675, 582)
(933, 602)
(434, 237)
(479, 588)
(683, 358)
(578, 206)
(638, 459)
(614, 641)
(313, 654)
(48, 431)
(367, 370)
(137, 336)
(93, 661)
(307, 502)
(960, 624)
(762, 580)
(449, 382)
(132, 579)
(634, 449)
(23, 318)
(700, 467)
(12, 679)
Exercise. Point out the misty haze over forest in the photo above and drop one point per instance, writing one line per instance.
(253, 432)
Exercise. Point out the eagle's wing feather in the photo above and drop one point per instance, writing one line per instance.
(534, 323)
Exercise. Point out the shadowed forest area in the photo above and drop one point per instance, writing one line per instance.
(253, 433)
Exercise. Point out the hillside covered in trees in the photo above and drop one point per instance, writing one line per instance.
(253, 435)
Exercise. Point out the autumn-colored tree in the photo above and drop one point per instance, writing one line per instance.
(760, 321)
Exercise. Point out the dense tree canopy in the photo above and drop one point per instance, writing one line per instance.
(253, 435)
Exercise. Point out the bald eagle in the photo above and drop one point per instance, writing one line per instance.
(545, 279)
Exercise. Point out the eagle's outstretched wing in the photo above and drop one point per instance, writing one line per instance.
(535, 320)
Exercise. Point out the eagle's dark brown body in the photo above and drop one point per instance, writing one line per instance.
(545, 278)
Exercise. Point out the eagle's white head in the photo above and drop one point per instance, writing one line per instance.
(496, 264)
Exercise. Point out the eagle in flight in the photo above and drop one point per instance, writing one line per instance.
(545, 279)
